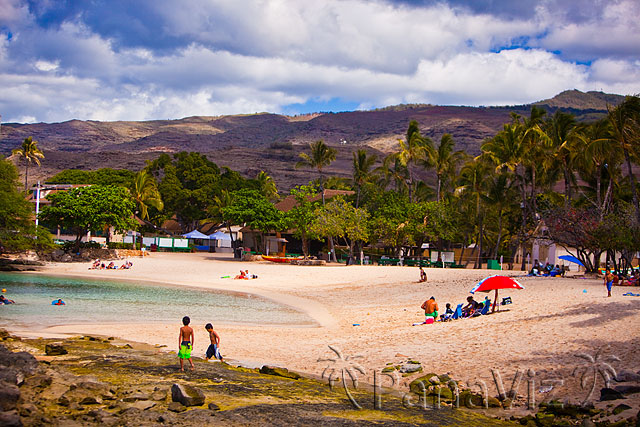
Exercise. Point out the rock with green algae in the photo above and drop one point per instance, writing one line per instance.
(620, 408)
(187, 395)
(545, 420)
(419, 385)
(55, 349)
(176, 407)
(279, 372)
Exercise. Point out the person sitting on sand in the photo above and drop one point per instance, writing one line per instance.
(633, 279)
(241, 276)
(470, 308)
(423, 276)
(4, 300)
(430, 308)
(448, 314)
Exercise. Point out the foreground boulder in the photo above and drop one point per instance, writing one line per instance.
(279, 372)
(187, 395)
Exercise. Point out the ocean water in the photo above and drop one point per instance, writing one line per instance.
(106, 301)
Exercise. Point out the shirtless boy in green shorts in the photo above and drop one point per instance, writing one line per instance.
(185, 343)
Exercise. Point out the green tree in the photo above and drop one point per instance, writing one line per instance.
(473, 182)
(251, 207)
(303, 214)
(445, 162)
(625, 132)
(560, 130)
(28, 152)
(91, 208)
(145, 193)
(412, 150)
(320, 156)
(17, 228)
(362, 170)
(341, 219)
(267, 185)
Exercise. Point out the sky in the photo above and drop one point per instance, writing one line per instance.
(167, 59)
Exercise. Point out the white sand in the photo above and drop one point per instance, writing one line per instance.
(548, 323)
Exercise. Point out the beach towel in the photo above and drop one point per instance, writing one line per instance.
(630, 294)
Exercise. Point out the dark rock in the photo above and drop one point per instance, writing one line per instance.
(620, 408)
(545, 420)
(626, 375)
(176, 407)
(136, 396)
(55, 349)
(10, 419)
(470, 400)
(420, 384)
(9, 395)
(28, 409)
(143, 405)
(610, 394)
(213, 407)
(21, 361)
(410, 368)
(588, 423)
(627, 389)
(4, 334)
(279, 372)
(159, 395)
(493, 402)
(90, 400)
(9, 376)
(38, 381)
(187, 395)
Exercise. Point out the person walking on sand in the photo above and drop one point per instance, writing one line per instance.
(213, 350)
(430, 308)
(608, 281)
(185, 343)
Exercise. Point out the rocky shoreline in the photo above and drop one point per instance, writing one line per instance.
(97, 381)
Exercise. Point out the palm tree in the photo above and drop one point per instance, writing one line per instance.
(445, 161)
(267, 185)
(472, 183)
(145, 193)
(625, 132)
(29, 152)
(362, 164)
(321, 155)
(559, 130)
(392, 170)
(413, 149)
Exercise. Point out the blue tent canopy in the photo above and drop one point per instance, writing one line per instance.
(571, 258)
(195, 234)
(219, 235)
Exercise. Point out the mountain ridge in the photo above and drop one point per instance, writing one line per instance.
(271, 142)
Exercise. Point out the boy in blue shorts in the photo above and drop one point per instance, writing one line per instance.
(213, 351)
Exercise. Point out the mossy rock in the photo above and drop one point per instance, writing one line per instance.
(470, 399)
(388, 369)
(545, 420)
(527, 419)
(444, 378)
(417, 385)
(493, 402)
(620, 408)
(445, 393)
(413, 362)
(279, 372)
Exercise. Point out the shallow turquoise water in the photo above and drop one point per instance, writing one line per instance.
(102, 301)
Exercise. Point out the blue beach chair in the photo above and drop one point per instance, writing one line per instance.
(457, 313)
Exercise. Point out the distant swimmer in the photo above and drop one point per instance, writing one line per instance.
(57, 302)
(4, 300)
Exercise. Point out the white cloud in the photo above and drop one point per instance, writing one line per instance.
(236, 57)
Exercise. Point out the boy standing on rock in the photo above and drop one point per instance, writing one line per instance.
(185, 343)
(213, 351)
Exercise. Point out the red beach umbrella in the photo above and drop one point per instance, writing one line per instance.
(493, 283)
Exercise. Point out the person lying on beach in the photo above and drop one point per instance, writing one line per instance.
(423, 276)
(213, 350)
(4, 300)
(430, 308)
(185, 343)
(95, 265)
(448, 314)
(241, 276)
(470, 308)
(249, 276)
(127, 265)
(111, 266)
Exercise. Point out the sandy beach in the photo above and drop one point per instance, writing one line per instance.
(541, 333)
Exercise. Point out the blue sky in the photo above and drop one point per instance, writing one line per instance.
(161, 59)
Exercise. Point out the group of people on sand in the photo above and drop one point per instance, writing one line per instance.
(244, 275)
(547, 270)
(472, 309)
(620, 279)
(99, 265)
(186, 340)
